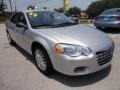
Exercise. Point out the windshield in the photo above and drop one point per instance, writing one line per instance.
(48, 19)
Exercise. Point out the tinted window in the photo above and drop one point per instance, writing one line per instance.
(14, 17)
(21, 19)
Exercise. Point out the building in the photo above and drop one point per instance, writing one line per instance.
(83, 14)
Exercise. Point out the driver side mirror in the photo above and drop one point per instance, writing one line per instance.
(21, 25)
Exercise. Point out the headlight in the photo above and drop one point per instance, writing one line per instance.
(72, 50)
(86, 51)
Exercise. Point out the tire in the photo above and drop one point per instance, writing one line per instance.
(11, 42)
(43, 61)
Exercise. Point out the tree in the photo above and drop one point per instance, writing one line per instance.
(10, 4)
(114, 3)
(98, 7)
(2, 6)
(74, 11)
(61, 10)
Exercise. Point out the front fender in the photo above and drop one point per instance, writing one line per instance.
(49, 47)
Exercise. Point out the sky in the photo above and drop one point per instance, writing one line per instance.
(50, 4)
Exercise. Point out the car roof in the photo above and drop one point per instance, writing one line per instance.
(113, 9)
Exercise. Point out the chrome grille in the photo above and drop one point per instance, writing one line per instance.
(105, 55)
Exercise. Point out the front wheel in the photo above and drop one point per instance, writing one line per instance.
(43, 61)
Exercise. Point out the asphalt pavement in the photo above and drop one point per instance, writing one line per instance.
(18, 71)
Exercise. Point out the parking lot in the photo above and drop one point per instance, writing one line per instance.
(18, 71)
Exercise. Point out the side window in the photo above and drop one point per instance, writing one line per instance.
(21, 19)
(14, 18)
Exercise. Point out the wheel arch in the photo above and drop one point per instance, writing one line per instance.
(36, 44)
(43, 44)
(49, 48)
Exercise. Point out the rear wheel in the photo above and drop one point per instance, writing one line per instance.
(11, 42)
(43, 61)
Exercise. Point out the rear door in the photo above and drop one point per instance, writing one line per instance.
(11, 26)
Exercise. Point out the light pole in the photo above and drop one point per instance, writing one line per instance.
(64, 6)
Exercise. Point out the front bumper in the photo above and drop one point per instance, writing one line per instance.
(79, 65)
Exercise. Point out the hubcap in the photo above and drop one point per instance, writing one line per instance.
(40, 58)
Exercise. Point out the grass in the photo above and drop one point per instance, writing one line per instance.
(2, 20)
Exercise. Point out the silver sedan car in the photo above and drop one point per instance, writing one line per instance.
(58, 43)
(108, 19)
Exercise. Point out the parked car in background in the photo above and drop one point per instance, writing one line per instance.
(74, 19)
(58, 43)
(108, 19)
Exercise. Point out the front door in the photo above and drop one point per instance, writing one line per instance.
(20, 31)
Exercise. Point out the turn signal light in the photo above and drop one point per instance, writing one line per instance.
(58, 49)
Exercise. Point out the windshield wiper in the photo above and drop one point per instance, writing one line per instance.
(46, 25)
(66, 23)
(53, 26)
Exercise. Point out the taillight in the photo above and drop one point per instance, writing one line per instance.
(118, 17)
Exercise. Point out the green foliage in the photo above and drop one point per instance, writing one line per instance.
(98, 7)
(2, 6)
(74, 11)
(61, 10)
(2, 18)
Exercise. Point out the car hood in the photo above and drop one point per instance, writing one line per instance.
(79, 35)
